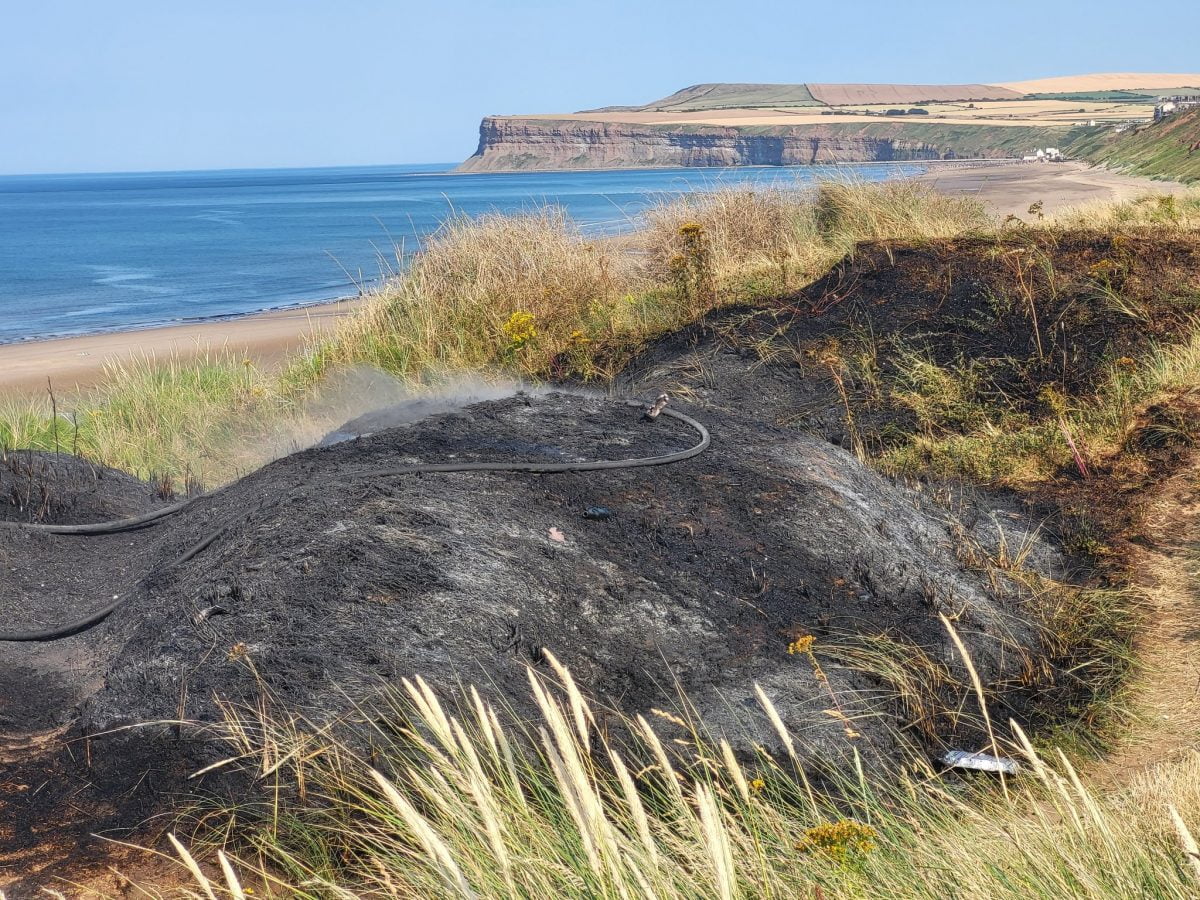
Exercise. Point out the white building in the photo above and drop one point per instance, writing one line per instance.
(1164, 109)
(1050, 154)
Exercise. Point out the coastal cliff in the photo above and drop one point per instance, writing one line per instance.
(512, 143)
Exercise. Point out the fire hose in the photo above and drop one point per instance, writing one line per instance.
(153, 518)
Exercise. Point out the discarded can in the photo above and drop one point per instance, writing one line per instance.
(600, 513)
(980, 762)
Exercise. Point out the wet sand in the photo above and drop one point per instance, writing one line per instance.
(267, 337)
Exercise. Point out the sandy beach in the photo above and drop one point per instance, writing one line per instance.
(1009, 189)
(77, 362)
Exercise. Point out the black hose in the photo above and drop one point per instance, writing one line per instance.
(114, 527)
(98, 616)
(56, 632)
(133, 523)
(593, 466)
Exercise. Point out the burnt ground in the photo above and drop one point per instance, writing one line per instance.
(326, 583)
(59, 488)
(858, 335)
(331, 583)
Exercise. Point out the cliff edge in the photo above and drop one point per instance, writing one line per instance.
(511, 143)
(813, 123)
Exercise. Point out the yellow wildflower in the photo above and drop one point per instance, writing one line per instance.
(520, 329)
(801, 645)
(757, 785)
(841, 840)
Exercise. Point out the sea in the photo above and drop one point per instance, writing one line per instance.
(109, 252)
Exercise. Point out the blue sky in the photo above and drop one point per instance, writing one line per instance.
(136, 85)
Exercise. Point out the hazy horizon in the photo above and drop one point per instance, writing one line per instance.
(136, 86)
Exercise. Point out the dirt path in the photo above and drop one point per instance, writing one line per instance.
(1165, 692)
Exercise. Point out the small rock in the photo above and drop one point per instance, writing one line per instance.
(599, 513)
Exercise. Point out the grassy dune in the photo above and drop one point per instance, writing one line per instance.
(448, 797)
(525, 296)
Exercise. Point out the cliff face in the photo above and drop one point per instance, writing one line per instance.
(514, 143)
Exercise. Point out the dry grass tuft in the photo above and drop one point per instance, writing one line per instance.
(459, 800)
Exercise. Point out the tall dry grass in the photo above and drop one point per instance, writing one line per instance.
(456, 799)
(1181, 210)
(452, 310)
(178, 419)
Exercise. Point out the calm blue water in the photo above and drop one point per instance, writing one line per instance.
(84, 253)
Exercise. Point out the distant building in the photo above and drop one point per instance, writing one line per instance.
(1050, 154)
(1171, 105)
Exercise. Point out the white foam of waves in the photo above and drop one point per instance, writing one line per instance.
(130, 279)
(221, 217)
(119, 274)
(93, 311)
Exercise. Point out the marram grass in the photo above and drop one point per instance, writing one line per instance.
(456, 799)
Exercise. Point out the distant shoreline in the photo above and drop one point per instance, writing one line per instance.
(285, 305)
(948, 163)
(79, 361)
(1006, 187)
(282, 309)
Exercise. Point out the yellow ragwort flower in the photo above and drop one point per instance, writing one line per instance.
(520, 329)
(841, 840)
(801, 645)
